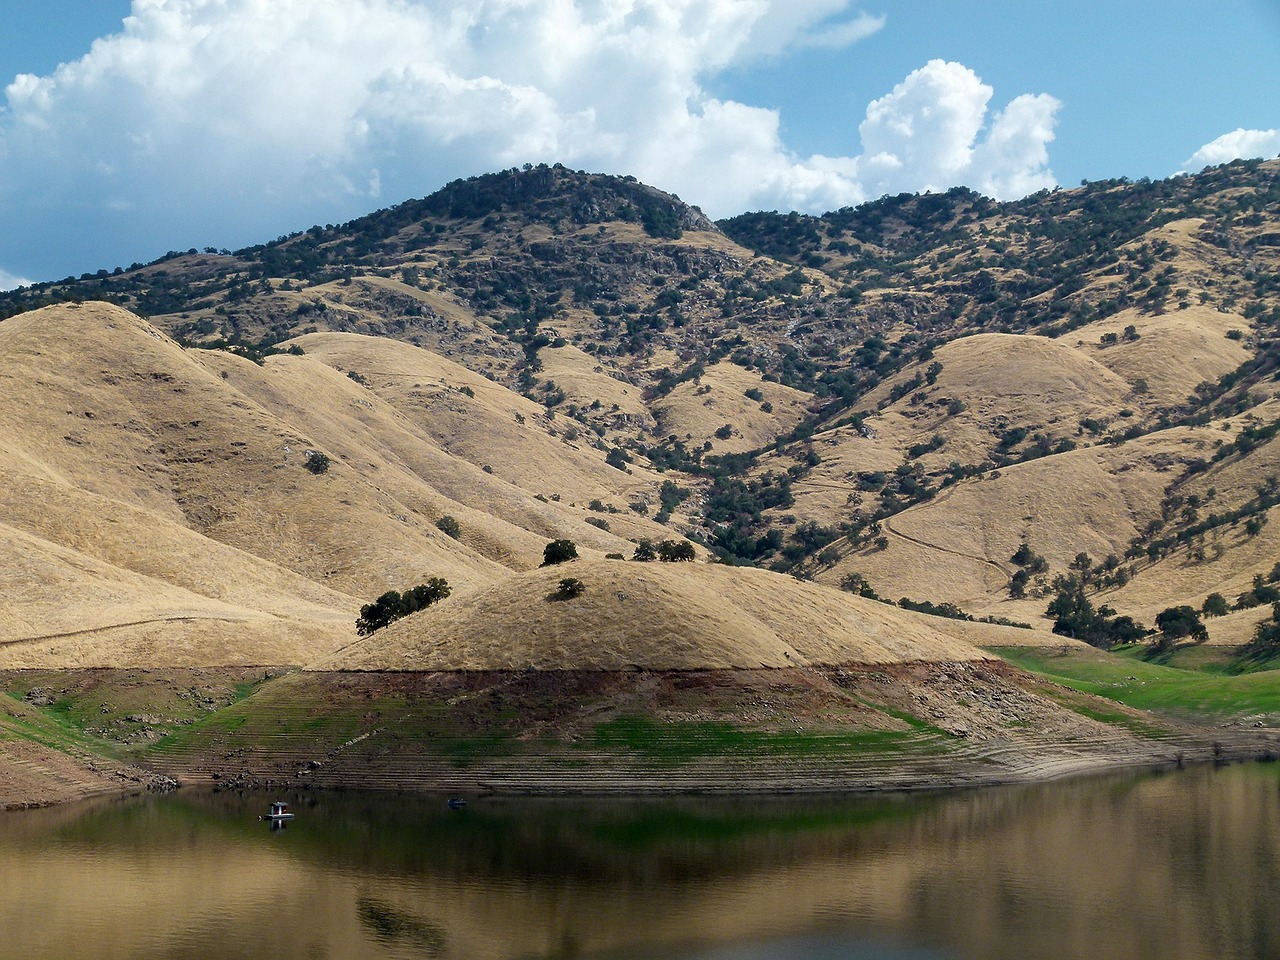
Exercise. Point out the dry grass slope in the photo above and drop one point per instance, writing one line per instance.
(696, 409)
(660, 617)
(158, 511)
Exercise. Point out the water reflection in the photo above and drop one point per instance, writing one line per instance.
(1154, 866)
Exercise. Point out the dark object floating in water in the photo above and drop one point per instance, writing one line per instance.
(456, 803)
(279, 811)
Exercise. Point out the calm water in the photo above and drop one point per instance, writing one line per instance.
(1178, 866)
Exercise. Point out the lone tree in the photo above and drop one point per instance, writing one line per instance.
(558, 551)
(676, 551)
(392, 605)
(1177, 622)
(571, 587)
(1018, 584)
(1215, 605)
(316, 462)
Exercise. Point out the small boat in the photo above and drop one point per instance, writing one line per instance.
(456, 803)
(279, 811)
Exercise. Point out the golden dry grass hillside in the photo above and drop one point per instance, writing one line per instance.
(481, 422)
(1003, 381)
(906, 390)
(977, 401)
(896, 400)
(661, 616)
(730, 408)
(957, 546)
(158, 508)
(1170, 353)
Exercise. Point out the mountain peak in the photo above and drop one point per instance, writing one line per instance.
(549, 194)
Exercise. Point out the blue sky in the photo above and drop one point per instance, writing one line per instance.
(228, 122)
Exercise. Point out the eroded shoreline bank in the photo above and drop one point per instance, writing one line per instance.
(854, 729)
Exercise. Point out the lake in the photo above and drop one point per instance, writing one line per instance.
(1182, 865)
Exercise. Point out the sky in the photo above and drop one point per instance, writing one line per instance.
(128, 129)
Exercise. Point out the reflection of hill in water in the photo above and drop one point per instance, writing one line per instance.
(1181, 865)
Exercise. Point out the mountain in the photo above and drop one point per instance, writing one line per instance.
(963, 408)
(804, 379)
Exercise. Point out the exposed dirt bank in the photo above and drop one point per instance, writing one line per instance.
(33, 775)
(856, 728)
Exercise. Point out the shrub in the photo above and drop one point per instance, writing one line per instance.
(915, 451)
(600, 522)
(449, 527)
(1018, 584)
(672, 495)
(559, 551)
(1266, 636)
(948, 610)
(1029, 559)
(1260, 594)
(316, 462)
(571, 587)
(1074, 616)
(857, 583)
(725, 432)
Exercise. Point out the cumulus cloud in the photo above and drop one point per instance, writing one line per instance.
(1239, 144)
(9, 281)
(226, 121)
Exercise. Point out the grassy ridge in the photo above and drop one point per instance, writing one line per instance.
(1185, 693)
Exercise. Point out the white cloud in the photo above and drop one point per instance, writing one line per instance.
(227, 121)
(1237, 145)
(9, 281)
(926, 134)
